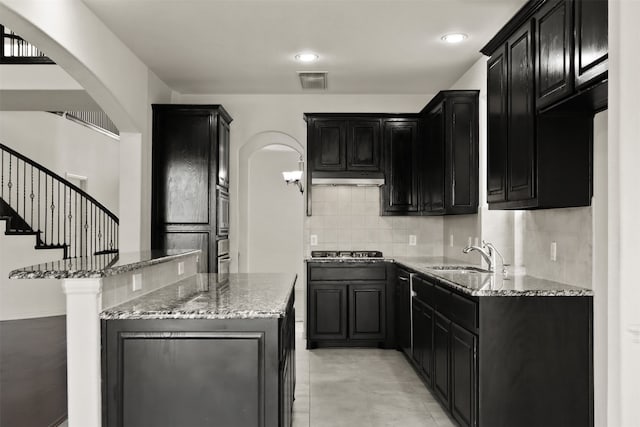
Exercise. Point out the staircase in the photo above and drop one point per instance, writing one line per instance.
(35, 201)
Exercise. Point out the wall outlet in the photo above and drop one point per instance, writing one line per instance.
(469, 241)
(553, 252)
(476, 241)
(450, 240)
(313, 240)
(136, 283)
(412, 239)
(180, 291)
(180, 268)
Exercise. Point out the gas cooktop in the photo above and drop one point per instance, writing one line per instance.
(346, 254)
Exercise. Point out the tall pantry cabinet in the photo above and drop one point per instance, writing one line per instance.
(190, 169)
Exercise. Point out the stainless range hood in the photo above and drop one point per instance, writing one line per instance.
(360, 182)
(363, 179)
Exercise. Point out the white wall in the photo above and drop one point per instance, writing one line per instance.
(275, 214)
(64, 146)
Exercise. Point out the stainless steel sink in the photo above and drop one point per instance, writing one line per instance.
(459, 268)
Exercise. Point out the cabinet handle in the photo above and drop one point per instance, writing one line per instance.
(404, 279)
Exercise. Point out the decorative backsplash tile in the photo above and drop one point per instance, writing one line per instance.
(348, 218)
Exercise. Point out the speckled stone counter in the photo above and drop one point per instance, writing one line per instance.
(98, 266)
(243, 296)
(489, 284)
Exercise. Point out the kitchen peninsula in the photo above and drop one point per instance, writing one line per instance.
(152, 342)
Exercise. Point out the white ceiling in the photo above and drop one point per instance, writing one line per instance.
(248, 46)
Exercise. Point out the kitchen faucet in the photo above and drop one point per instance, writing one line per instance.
(488, 252)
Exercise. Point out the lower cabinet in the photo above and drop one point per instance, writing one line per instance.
(198, 372)
(475, 352)
(347, 305)
(441, 357)
(403, 311)
(463, 375)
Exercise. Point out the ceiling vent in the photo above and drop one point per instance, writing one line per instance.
(313, 79)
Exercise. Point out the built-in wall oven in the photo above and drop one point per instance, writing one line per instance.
(223, 213)
(224, 260)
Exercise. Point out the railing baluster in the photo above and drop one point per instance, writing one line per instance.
(91, 227)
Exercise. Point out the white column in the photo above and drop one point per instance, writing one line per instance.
(84, 300)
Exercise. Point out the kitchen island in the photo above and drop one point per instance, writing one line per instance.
(152, 342)
(198, 352)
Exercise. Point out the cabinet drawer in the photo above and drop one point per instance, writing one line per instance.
(442, 301)
(424, 290)
(464, 312)
(347, 272)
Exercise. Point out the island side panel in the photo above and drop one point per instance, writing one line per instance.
(191, 372)
(536, 361)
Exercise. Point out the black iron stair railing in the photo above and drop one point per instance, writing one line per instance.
(61, 214)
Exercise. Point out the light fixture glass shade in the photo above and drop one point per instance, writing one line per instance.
(307, 57)
(454, 37)
(292, 176)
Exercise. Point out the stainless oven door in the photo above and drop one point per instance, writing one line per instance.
(223, 213)
(223, 268)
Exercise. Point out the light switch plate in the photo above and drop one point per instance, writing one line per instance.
(450, 240)
(136, 283)
(313, 240)
(553, 252)
(412, 239)
(180, 268)
(469, 241)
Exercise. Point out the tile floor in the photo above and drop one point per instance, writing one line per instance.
(360, 388)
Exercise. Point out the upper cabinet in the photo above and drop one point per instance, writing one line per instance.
(448, 155)
(591, 41)
(543, 89)
(348, 144)
(399, 194)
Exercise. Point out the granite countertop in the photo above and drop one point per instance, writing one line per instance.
(243, 296)
(490, 284)
(98, 266)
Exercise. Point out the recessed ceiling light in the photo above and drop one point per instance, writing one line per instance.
(454, 37)
(307, 57)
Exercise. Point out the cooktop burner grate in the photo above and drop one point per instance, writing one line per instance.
(346, 254)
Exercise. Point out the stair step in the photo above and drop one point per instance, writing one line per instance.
(22, 233)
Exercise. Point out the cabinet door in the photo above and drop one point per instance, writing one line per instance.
(521, 117)
(363, 146)
(417, 331)
(367, 311)
(441, 352)
(427, 342)
(329, 147)
(327, 312)
(400, 189)
(554, 75)
(433, 185)
(403, 312)
(497, 127)
(464, 394)
(591, 41)
(461, 180)
(183, 181)
(223, 153)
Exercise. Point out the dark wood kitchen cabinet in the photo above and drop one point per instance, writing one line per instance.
(348, 304)
(591, 41)
(399, 194)
(540, 111)
(224, 140)
(448, 154)
(199, 372)
(553, 41)
(185, 171)
(349, 144)
(471, 351)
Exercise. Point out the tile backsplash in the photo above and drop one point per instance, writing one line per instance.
(571, 229)
(348, 218)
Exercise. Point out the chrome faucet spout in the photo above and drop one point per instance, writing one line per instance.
(488, 255)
